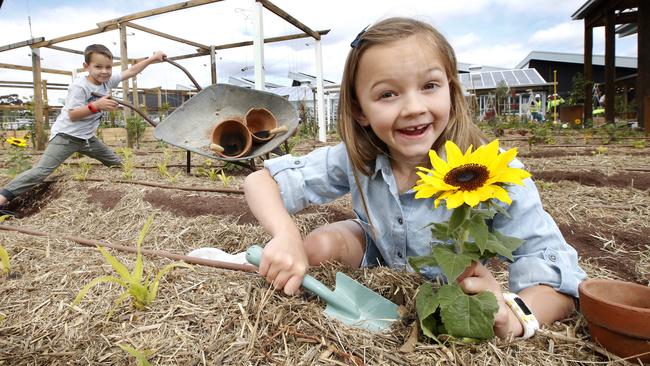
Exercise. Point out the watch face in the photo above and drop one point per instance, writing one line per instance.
(523, 306)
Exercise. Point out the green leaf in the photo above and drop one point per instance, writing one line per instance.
(467, 315)
(458, 217)
(4, 260)
(140, 356)
(478, 229)
(426, 305)
(509, 242)
(439, 231)
(422, 261)
(121, 269)
(137, 271)
(94, 283)
(452, 263)
(153, 287)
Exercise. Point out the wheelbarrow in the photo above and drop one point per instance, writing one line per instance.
(191, 126)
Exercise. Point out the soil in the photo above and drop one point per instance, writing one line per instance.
(33, 201)
(640, 180)
(107, 199)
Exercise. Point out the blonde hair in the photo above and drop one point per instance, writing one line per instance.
(362, 144)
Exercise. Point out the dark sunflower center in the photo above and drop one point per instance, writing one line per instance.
(467, 177)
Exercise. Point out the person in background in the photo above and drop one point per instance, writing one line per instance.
(400, 98)
(536, 108)
(75, 127)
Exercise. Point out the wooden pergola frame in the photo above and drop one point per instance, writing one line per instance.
(121, 24)
(609, 13)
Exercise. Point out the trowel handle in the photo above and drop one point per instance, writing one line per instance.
(254, 256)
(281, 129)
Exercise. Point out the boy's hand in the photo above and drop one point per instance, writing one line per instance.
(158, 56)
(478, 278)
(105, 103)
(284, 263)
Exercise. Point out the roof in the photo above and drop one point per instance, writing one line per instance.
(465, 67)
(586, 8)
(575, 58)
(592, 7)
(301, 76)
(511, 78)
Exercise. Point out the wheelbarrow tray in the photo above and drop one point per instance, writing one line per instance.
(190, 126)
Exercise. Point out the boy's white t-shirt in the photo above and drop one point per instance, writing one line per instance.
(79, 94)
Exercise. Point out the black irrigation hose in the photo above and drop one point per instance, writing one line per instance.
(131, 249)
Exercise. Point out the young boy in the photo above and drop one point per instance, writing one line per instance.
(74, 129)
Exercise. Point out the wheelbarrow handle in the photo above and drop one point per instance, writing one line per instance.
(254, 256)
(119, 101)
(198, 87)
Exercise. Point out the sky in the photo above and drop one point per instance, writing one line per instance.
(483, 32)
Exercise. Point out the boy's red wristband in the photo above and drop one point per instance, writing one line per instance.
(92, 108)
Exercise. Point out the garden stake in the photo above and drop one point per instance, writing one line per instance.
(130, 249)
(350, 302)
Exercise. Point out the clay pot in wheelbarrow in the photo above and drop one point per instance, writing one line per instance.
(231, 138)
(618, 315)
(262, 124)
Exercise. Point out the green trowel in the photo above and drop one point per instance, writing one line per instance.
(350, 302)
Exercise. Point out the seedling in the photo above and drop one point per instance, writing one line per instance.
(142, 292)
(225, 179)
(4, 260)
(127, 162)
(140, 356)
(84, 169)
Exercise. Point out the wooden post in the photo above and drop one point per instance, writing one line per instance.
(610, 67)
(643, 79)
(124, 64)
(46, 107)
(134, 90)
(588, 71)
(320, 110)
(38, 99)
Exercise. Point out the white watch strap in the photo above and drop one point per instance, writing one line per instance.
(523, 313)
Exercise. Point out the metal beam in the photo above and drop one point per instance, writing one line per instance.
(157, 11)
(284, 15)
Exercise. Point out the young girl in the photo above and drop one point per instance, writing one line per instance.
(400, 97)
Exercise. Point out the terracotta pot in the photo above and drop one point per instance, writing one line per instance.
(618, 315)
(260, 121)
(233, 136)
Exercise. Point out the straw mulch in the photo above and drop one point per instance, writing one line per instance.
(209, 316)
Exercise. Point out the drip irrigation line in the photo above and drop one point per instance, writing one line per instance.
(129, 249)
(164, 186)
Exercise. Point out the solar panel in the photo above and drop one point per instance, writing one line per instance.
(488, 80)
(534, 76)
(477, 81)
(511, 80)
(521, 77)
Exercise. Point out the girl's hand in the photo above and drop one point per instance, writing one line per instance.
(284, 263)
(477, 278)
(105, 103)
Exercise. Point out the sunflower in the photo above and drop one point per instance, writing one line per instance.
(16, 142)
(470, 178)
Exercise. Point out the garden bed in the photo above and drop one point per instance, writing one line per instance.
(209, 316)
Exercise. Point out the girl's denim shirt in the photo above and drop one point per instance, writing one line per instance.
(399, 221)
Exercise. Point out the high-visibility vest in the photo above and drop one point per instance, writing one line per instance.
(535, 106)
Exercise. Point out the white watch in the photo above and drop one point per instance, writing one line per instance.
(523, 313)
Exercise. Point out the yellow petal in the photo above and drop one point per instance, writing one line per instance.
(454, 155)
(501, 194)
(455, 200)
(438, 164)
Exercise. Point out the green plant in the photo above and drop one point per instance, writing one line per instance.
(577, 92)
(135, 129)
(141, 357)
(18, 161)
(142, 291)
(225, 179)
(4, 260)
(127, 162)
(639, 144)
(600, 150)
(84, 169)
(469, 187)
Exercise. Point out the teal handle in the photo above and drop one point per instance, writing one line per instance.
(254, 256)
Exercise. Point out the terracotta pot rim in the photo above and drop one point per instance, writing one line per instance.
(584, 291)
